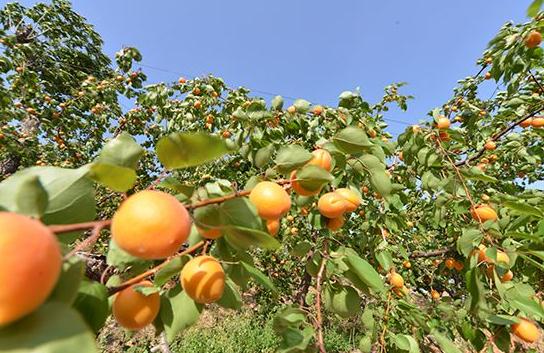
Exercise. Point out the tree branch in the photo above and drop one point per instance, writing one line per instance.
(432, 253)
(88, 242)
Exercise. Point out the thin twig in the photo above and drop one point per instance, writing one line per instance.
(66, 228)
(319, 318)
(89, 241)
(155, 269)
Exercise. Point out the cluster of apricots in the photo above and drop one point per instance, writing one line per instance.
(154, 225)
(536, 122)
(333, 205)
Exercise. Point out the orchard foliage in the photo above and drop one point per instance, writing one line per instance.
(432, 241)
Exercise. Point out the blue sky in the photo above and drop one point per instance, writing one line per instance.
(310, 49)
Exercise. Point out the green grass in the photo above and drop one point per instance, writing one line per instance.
(236, 333)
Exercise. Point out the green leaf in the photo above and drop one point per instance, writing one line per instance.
(406, 343)
(263, 155)
(502, 320)
(70, 194)
(242, 227)
(313, 178)
(301, 249)
(295, 340)
(365, 344)
(292, 157)
(53, 328)
(366, 273)
(343, 301)
(277, 103)
(182, 150)
(67, 286)
(178, 311)
(231, 298)
(119, 258)
(385, 259)
(31, 197)
(445, 343)
(259, 277)
(476, 173)
(176, 186)
(301, 105)
(380, 181)
(523, 208)
(352, 140)
(468, 241)
(171, 269)
(92, 303)
(115, 166)
(534, 8)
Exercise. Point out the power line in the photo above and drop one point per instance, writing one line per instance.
(267, 93)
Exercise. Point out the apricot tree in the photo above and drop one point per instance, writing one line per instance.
(433, 241)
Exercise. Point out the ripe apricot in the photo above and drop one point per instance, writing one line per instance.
(332, 205)
(271, 200)
(197, 104)
(335, 223)
(533, 39)
(298, 188)
(443, 123)
(292, 109)
(30, 264)
(458, 266)
(134, 310)
(490, 145)
(396, 280)
(318, 110)
(487, 75)
(406, 264)
(526, 330)
(321, 158)
(435, 294)
(151, 225)
(209, 233)
(482, 257)
(526, 123)
(273, 226)
(352, 199)
(507, 277)
(450, 263)
(203, 279)
(538, 122)
(484, 213)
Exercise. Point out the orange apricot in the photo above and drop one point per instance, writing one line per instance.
(134, 310)
(507, 277)
(484, 213)
(321, 158)
(151, 225)
(435, 294)
(318, 110)
(450, 263)
(352, 199)
(533, 39)
(526, 123)
(270, 199)
(335, 223)
(443, 123)
(396, 280)
(30, 265)
(538, 122)
(332, 205)
(490, 145)
(273, 226)
(526, 330)
(209, 233)
(458, 266)
(406, 264)
(203, 279)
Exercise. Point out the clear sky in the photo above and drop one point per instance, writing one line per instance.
(310, 49)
